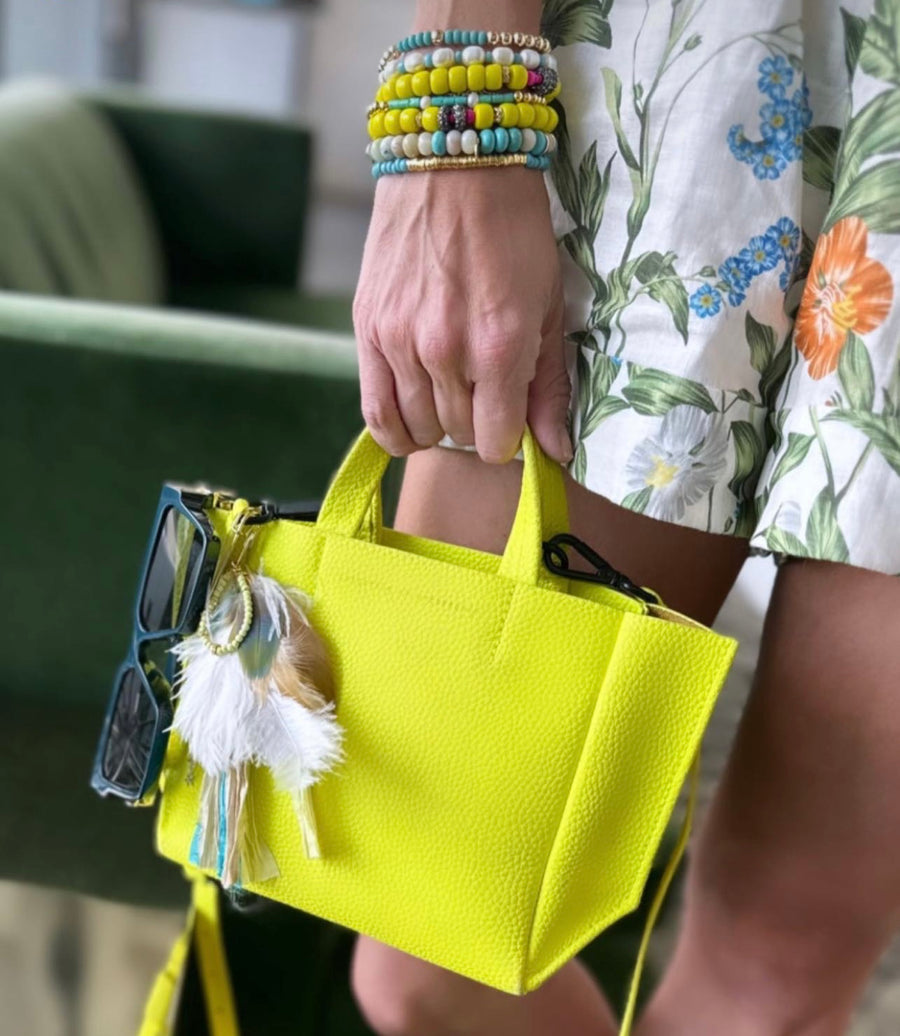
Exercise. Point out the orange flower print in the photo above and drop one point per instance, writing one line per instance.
(845, 291)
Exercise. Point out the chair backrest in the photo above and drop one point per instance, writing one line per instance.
(73, 218)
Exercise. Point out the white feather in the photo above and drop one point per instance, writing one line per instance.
(216, 706)
(295, 743)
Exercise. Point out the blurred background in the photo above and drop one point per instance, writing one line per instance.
(183, 205)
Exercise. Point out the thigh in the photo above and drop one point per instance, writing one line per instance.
(794, 889)
(453, 495)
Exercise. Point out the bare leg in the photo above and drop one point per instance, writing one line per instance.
(454, 496)
(794, 889)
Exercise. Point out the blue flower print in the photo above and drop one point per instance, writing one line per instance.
(782, 120)
(706, 301)
(775, 74)
(777, 121)
(778, 243)
(786, 235)
(741, 147)
(769, 163)
(735, 279)
(734, 271)
(761, 254)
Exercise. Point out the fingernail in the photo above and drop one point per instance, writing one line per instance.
(565, 448)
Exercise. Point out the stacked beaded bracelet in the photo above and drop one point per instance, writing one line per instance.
(468, 142)
(486, 104)
(462, 116)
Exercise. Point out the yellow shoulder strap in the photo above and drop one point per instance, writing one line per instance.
(659, 896)
(203, 926)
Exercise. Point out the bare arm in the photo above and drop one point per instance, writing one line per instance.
(459, 306)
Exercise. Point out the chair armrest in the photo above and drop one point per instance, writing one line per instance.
(229, 192)
(275, 305)
(174, 336)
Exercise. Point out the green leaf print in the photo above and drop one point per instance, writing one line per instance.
(598, 414)
(598, 376)
(773, 376)
(657, 272)
(654, 393)
(613, 87)
(638, 500)
(824, 538)
(574, 21)
(580, 247)
(874, 130)
(783, 542)
(593, 187)
(854, 31)
(855, 373)
(749, 454)
(795, 454)
(874, 196)
(761, 338)
(562, 170)
(880, 51)
(881, 429)
(820, 149)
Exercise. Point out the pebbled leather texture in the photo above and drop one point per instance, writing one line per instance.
(515, 741)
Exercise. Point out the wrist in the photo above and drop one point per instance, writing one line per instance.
(501, 15)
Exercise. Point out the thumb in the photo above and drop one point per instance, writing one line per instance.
(548, 397)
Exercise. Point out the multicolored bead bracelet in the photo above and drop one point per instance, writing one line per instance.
(463, 116)
(466, 37)
(444, 57)
(460, 79)
(470, 99)
(423, 165)
(462, 142)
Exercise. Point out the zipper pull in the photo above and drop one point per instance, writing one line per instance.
(556, 559)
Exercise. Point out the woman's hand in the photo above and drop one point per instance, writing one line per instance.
(459, 314)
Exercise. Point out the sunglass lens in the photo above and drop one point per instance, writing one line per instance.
(176, 554)
(132, 734)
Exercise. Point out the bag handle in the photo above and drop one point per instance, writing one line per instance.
(352, 506)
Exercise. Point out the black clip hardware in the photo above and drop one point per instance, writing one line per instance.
(556, 559)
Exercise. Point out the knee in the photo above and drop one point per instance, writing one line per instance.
(390, 989)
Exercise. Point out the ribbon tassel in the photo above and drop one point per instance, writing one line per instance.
(254, 689)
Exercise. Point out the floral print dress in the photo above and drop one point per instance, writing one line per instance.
(727, 202)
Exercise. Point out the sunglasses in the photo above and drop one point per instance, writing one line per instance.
(179, 562)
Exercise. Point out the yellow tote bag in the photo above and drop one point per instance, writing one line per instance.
(515, 740)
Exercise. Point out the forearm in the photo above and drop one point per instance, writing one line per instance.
(500, 15)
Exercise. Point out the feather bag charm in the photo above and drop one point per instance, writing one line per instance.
(255, 689)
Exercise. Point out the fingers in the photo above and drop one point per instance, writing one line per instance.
(379, 402)
(503, 365)
(549, 394)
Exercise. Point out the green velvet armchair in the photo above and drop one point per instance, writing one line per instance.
(151, 328)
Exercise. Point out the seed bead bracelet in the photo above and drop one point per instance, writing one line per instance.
(470, 99)
(465, 142)
(466, 37)
(463, 116)
(423, 165)
(443, 57)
